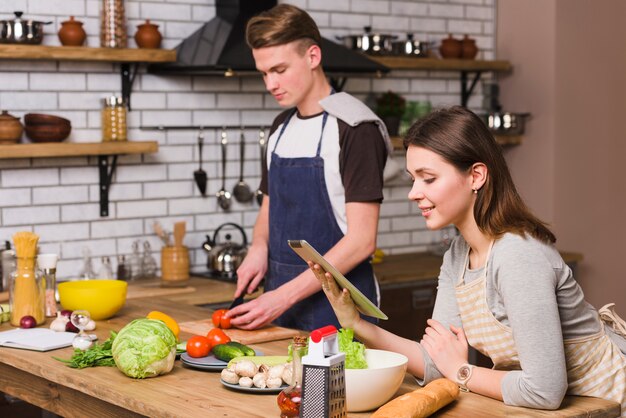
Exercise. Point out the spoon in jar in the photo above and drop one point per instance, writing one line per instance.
(242, 191)
(223, 197)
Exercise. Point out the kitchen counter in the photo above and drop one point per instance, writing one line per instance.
(105, 392)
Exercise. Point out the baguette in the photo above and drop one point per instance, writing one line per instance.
(421, 402)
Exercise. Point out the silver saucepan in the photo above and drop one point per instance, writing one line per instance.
(505, 123)
(21, 31)
(410, 47)
(368, 42)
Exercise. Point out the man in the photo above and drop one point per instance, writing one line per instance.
(323, 181)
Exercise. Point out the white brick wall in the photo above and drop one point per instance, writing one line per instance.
(59, 197)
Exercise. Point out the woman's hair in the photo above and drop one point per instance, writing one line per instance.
(281, 25)
(462, 139)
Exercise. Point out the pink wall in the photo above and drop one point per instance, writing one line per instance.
(569, 59)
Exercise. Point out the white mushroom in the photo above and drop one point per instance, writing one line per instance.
(245, 382)
(264, 368)
(274, 382)
(230, 376)
(287, 375)
(276, 371)
(246, 368)
(259, 380)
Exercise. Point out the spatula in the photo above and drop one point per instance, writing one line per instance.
(200, 175)
(179, 233)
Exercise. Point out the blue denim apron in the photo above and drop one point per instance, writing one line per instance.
(300, 208)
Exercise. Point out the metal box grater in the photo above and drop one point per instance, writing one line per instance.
(323, 377)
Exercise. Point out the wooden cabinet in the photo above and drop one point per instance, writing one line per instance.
(408, 306)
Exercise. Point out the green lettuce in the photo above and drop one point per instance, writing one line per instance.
(144, 348)
(355, 351)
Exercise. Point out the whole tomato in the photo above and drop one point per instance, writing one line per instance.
(217, 336)
(219, 320)
(198, 346)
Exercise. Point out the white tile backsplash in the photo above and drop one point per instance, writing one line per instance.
(59, 197)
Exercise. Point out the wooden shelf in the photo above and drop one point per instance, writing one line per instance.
(412, 63)
(83, 53)
(76, 150)
(503, 140)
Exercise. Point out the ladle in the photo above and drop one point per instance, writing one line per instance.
(263, 145)
(242, 191)
(223, 197)
(200, 175)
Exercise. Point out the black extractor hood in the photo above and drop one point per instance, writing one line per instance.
(219, 47)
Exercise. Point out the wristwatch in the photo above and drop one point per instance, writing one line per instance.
(463, 375)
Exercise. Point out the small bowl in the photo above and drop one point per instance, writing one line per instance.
(48, 133)
(102, 298)
(367, 389)
(42, 119)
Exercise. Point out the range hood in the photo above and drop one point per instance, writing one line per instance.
(219, 47)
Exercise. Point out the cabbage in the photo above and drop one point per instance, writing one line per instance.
(144, 348)
(355, 351)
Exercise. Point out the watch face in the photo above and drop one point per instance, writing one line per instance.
(463, 373)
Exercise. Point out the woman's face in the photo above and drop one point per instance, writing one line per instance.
(443, 194)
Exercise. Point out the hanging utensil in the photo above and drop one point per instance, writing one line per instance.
(223, 197)
(242, 191)
(263, 145)
(200, 175)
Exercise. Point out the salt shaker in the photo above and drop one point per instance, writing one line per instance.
(48, 265)
(105, 272)
(135, 262)
(148, 262)
(122, 271)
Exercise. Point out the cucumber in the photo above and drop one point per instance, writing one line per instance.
(247, 351)
(227, 352)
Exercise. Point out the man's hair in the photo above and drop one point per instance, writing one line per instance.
(282, 24)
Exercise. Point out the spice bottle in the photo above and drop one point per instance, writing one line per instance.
(113, 25)
(27, 287)
(290, 398)
(113, 119)
(48, 265)
(122, 271)
(105, 272)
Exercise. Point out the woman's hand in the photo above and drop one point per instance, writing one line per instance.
(341, 301)
(447, 348)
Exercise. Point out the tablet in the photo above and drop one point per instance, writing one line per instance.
(308, 253)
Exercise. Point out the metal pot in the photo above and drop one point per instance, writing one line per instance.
(505, 123)
(20, 31)
(368, 42)
(411, 47)
(225, 258)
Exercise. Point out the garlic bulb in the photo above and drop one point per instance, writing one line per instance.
(58, 324)
(91, 325)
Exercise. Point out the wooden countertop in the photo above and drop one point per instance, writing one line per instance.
(105, 392)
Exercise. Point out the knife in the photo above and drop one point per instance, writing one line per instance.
(238, 301)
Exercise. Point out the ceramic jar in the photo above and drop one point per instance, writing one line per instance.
(450, 47)
(468, 48)
(10, 128)
(72, 33)
(148, 35)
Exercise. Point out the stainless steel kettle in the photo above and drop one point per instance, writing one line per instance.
(225, 258)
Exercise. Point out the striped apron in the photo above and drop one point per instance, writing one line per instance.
(595, 365)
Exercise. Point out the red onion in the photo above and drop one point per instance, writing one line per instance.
(28, 322)
(67, 313)
(69, 327)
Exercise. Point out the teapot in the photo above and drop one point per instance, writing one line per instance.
(225, 258)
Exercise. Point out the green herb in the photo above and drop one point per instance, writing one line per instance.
(96, 355)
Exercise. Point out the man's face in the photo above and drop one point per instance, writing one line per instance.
(287, 72)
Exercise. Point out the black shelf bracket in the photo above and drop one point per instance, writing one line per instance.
(466, 91)
(106, 176)
(128, 78)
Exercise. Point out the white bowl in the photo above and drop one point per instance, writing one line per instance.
(369, 388)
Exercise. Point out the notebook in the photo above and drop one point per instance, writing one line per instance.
(37, 339)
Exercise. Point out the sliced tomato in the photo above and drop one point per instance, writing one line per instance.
(219, 320)
(217, 336)
(199, 346)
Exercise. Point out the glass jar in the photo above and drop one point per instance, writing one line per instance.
(27, 292)
(113, 25)
(48, 265)
(113, 119)
(290, 398)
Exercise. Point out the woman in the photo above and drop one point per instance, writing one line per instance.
(503, 287)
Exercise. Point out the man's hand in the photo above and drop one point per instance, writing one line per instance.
(252, 270)
(258, 312)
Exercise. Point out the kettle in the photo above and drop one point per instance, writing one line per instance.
(225, 258)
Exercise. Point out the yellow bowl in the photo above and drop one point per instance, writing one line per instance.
(102, 298)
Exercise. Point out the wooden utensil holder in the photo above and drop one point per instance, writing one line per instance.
(174, 266)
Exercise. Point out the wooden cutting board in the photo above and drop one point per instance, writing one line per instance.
(261, 335)
(155, 290)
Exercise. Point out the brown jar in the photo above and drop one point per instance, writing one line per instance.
(72, 33)
(148, 35)
(450, 47)
(468, 48)
(10, 128)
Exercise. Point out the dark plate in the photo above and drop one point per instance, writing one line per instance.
(210, 362)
